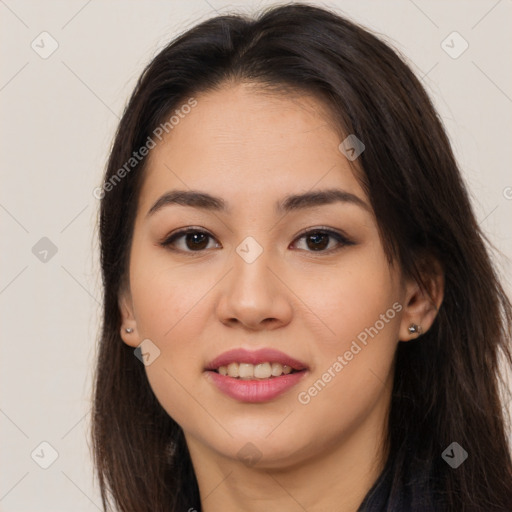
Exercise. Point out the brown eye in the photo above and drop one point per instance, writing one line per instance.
(194, 240)
(318, 240)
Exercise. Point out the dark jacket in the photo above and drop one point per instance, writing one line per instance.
(388, 496)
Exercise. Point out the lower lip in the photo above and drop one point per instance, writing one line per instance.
(255, 390)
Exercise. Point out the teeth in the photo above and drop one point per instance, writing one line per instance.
(262, 371)
(233, 369)
(277, 369)
(247, 371)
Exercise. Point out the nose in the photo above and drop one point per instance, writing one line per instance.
(253, 295)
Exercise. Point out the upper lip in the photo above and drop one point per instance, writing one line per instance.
(263, 355)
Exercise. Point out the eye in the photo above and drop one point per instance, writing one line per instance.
(318, 239)
(196, 240)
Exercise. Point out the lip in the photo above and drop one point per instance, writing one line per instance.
(263, 355)
(255, 390)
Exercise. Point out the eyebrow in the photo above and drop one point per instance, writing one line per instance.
(205, 201)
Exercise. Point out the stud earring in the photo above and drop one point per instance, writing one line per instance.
(129, 330)
(415, 329)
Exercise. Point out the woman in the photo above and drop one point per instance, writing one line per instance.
(300, 312)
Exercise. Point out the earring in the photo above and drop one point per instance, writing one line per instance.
(129, 330)
(415, 329)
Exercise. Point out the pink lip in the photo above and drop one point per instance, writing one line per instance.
(264, 355)
(255, 390)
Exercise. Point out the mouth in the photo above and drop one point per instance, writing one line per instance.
(265, 363)
(261, 371)
(255, 376)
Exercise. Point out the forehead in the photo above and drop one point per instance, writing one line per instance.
(240, 143)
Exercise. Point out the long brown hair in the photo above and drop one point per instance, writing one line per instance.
(447, 384)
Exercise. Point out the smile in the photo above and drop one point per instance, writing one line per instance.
(258, 371)
(254, 375)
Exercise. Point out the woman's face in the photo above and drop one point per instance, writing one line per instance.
(261, 273)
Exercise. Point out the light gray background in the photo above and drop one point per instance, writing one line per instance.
(58, 119)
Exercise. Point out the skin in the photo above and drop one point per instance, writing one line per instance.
(252, 149)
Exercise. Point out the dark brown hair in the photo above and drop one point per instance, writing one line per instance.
(447, 384)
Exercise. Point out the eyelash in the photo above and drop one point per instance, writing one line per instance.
(342, 239)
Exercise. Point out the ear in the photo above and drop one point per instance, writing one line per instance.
(128, 319)
(422, 303)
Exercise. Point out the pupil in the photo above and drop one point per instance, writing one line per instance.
(316, 240)
(193, 237)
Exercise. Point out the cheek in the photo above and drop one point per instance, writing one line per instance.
(360, 310)
(169, 311)
(166, 295)
(346, 301)
(164, 307)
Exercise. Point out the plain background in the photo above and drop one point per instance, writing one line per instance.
(58, 117)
